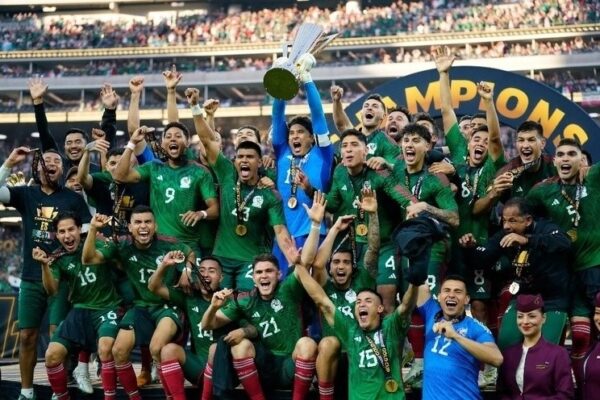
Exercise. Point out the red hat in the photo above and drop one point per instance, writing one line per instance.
(597, 302)
(529, 302)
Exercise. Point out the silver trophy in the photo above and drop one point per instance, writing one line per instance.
(281, 81)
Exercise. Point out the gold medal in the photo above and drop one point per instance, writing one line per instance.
(572, 234)
(514, 288)
(179, 258)
(241, 230)
(292, 202)
(391, 386)
(361, 229)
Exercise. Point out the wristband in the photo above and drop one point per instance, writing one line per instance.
(204, 214)
(4, 173)
(315, 226)
(130, 146)
(196, 110)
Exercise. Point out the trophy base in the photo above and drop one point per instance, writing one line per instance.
(281, 83)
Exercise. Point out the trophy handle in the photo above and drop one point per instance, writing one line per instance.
(323, 42)
(285, 49)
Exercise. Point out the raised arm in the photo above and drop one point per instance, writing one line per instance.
(340, 119)
(124, 172)
(37, 90)
(279, 133)
(213, 317)
(210, 107)
(156, 283)
(369, 205)
(315, 213)
(50, 284)
(83, 170)
(443, 62)
(316, 292)
(207, 135)
(319, 265)
(285, 242)
(89, 254)
(486, 92)
(172, 78)
(110, 101)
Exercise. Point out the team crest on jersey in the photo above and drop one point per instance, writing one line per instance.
(257, 201)
(463, 332)
(367, 185)
(371, 148)
(350, 296)
(159, 259)
(276, 305)
(185, 182)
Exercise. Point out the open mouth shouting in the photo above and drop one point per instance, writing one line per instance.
(363, 315)
(244, 171)
(368, 118)
(143, 235)
(451, 306)
(70, 244)
(527, 154)
(173, 150)
(340, 277)
(478, 153)
(410, 155)
(296, 146)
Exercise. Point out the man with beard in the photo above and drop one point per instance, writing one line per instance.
(182, 192)
(349, 180)
(75, 139)
(282, 357)
(92, 323)
(39, 205)
(455, 345)
(540, 253)
(432, 196)
(150, 322)
(398, 118)
(179, 363)
(572, 202)
(303, 158)
(382, 151)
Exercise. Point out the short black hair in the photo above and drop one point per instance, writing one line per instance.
(51, 150)
(211, 258)
(465, 118)
(353, 132)
(179, 125)
(480, 116)
(522, 204)
(531, 126)
(246, 144)
(77, 130)
(141, 209)
(481, 128)
(265, 257)
(454, 277)
(401, 109)
(377, 97)
(423, 116)
(416, 129)
(372, 291)
(301, 120)
(67, 215)
(253, 129)
(70, 172)
(569, 142)
(115, 152)
(587, 155)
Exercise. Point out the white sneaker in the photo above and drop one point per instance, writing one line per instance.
(154, 373)
(414, 377)
(82, 377)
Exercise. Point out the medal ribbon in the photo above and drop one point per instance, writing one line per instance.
(520, 261)
(573, 203)
(416, 190)
(473, 188)
(293, 171)
(39, 160)
(116, 223)
(382, 356)
(360, 213)
(239, 204)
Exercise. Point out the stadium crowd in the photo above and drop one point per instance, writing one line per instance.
(31, 32)
(391, 236)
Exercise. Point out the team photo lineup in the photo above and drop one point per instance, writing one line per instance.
(401, 257)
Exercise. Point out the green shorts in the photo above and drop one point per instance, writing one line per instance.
(59, 305)
(552, 330)
(33, 301)
(275, 371)
(193, 368)
(585, 285)
(83, 327)
(143, 321)
(236, 274)
(387, 264)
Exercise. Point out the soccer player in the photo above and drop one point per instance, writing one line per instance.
(150, 322)
(341, 279)
(540, 252)
(92, 323)
(572, 203)
(344, 198)
(397, 119)
(75, 139)
(39, 205)
(382, 150)
(455, 344)
(182, 192)
(465, 126)
(177, 362)
(303, 153)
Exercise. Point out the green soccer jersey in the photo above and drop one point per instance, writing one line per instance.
(194, 307)
(345, 193)
(279, 320)
(344, 299)
(529, 178)
(90, 285)
(366, 377)
(175, 191)
(457, 145)
(381, 145)
(262, 211)
(140, 264)
(473, 185)
(548, 196)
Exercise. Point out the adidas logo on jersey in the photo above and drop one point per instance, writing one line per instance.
(70, 266)
(159, 178)
(195, 309)
(519, 189)
(358, 339)
(256, 315)
(333, 296)
(133, 258)
(481, 290)
(392, 276)
(344, 188)
(555, 202)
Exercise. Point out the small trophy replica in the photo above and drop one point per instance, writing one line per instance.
(281, 81)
